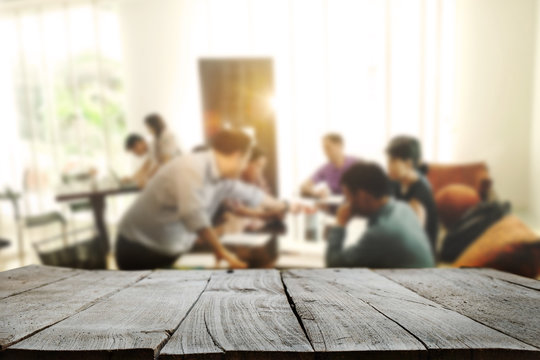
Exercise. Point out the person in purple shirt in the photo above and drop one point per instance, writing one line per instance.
(331, 172)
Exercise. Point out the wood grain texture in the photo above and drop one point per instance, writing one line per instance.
(131, 324)
(19, 280)
(241, 315)
(340, 325)
(509, 277)
(26, 313)
(445, 333)
(512, 309)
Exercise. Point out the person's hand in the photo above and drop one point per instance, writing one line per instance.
(343, 214)
(277, 213)
(322, 193)
(232, 259)
(295, 209)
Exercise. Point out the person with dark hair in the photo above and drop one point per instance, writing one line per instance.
(178, 203)
(330, 173)
(165, 146)
(409, 183)
(254, 172)
(138, 146)
(393, 238)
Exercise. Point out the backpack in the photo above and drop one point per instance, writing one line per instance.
(470, 226)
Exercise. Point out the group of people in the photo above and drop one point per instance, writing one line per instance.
(403, 221)
(182, 192)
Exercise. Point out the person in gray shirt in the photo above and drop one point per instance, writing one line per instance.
(394, 237)
(178, 203)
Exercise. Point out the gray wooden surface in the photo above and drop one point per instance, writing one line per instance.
(28, 312)
(52, 313)
(139, 319)
(244, 314)
(444, 333)
(511, 309)
(29, 277)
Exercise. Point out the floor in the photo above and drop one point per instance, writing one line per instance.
(293, 252)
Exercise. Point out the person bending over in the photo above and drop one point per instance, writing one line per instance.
(393, 238)
(177, 205)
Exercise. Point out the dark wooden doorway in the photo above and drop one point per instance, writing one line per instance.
(238, 93)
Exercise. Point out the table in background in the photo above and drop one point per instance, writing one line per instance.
(96, 194)
(294, 248)
(60, 313)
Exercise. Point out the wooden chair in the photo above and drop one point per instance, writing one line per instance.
(474, 175)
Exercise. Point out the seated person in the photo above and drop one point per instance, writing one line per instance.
(172, 210)
(410, 185)
(393, 238)
(331, 172)
(254, 172)
(253, 219)
(138, 146)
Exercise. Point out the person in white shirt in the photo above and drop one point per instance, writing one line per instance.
(165, 146)
(139, 147)
(178, 203)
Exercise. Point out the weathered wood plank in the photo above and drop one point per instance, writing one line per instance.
(445, 333)
(244, 314)
(340, 325)
(511, 278)
(132, 324)
(26, 313)
(511, 309)
(19, 280)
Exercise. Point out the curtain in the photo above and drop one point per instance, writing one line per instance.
(61, 94)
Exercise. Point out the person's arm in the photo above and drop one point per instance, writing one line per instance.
(144, 173)
(363, 253)
(168, 148)
(192, 213)
(308, 188)
(241, 210)
(419, 210)
(260, 204)
(209, 235)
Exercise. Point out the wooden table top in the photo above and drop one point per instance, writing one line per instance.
(84, 191)
(59, 313)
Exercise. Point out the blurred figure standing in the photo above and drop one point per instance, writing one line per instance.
(165, 146)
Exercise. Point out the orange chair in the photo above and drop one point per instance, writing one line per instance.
(474, 175)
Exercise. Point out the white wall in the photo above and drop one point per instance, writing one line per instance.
(333, 64)
(494, 67)
(159, 67)
(535, 132)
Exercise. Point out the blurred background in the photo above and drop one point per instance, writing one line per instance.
(77, 76)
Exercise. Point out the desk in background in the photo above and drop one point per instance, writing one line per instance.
(96, 194)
